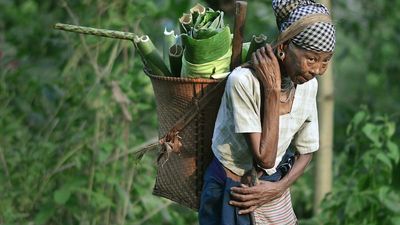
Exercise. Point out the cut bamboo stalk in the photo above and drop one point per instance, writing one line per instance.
(185, 21)
(175, 59)
(198, 8)
(256, 43)
(95, 31)
(169, 41)
(245, 50)
(150, 56)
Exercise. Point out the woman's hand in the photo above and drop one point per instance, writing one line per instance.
(267, 68)
(250, 198)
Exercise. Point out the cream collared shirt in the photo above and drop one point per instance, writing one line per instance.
(239, 113)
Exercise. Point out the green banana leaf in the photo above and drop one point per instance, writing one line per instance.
(206, 41)
(206, 50)
(206, 70)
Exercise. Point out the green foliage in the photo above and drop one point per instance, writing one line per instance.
(366, 69)
(68, 108)
(69, 105)
(364, 191)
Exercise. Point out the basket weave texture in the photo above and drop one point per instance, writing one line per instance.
(180, 176)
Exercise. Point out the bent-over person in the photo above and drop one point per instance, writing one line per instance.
(264, 112)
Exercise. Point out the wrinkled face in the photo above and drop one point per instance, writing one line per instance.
(302, 65)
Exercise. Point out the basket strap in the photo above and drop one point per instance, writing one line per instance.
(171, 140)
(198, 104)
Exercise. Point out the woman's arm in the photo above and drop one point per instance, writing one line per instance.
(250, 198)
(264, 145)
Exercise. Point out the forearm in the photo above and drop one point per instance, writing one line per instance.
(298, 169)
(267, 69)
(264, 145)
(270, 129)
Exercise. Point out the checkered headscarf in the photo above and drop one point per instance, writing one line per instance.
(317, 37)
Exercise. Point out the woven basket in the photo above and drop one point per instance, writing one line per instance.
(180, 176)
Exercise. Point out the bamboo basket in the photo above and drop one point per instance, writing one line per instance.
(180, 176)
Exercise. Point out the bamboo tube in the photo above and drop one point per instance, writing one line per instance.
(245, 50)
(197, 11)
(175, 59)
(95, 31)
(185, 21)
(169, 41)
(150, 56)
(200, 9)
(256, 43)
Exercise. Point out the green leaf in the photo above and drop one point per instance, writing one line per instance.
(371, 131)
(389, 199)
(395, 220)
(393, 151)
(384, 159)
(62, 195)
(391, 128)
(44, 215)
(354, 205)
(100, 200)
(360, 116)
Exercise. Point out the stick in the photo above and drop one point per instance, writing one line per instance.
(95, 31)
(238, 30)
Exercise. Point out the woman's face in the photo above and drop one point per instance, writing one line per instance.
(303, 65)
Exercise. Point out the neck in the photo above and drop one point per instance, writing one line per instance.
(286, 84)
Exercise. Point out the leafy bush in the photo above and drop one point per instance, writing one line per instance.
(364, 191)
(71, 113)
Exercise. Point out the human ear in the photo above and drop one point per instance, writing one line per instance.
(280, 51)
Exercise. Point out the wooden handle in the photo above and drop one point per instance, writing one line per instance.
(238, 31)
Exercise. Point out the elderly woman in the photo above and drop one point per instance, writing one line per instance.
(263, 112)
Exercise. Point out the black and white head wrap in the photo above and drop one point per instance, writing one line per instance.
(318, 37)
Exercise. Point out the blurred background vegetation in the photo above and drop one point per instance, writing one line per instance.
(73, 108)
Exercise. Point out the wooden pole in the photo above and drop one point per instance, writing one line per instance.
(323, 168)
(238, 33)
(95, 31)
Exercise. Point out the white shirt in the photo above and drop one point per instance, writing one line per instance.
(239, 113)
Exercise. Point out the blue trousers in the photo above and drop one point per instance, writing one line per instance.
(214, 203)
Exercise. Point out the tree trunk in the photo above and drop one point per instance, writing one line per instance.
(323, 169)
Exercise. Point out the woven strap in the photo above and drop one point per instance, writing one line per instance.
(300, 25)
(171, 141)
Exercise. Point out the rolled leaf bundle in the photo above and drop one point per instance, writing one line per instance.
(175, 59)
(205, 39)
(169, 40)
(256, 43)
(206, 50)
(150, 57)
(207, 70)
